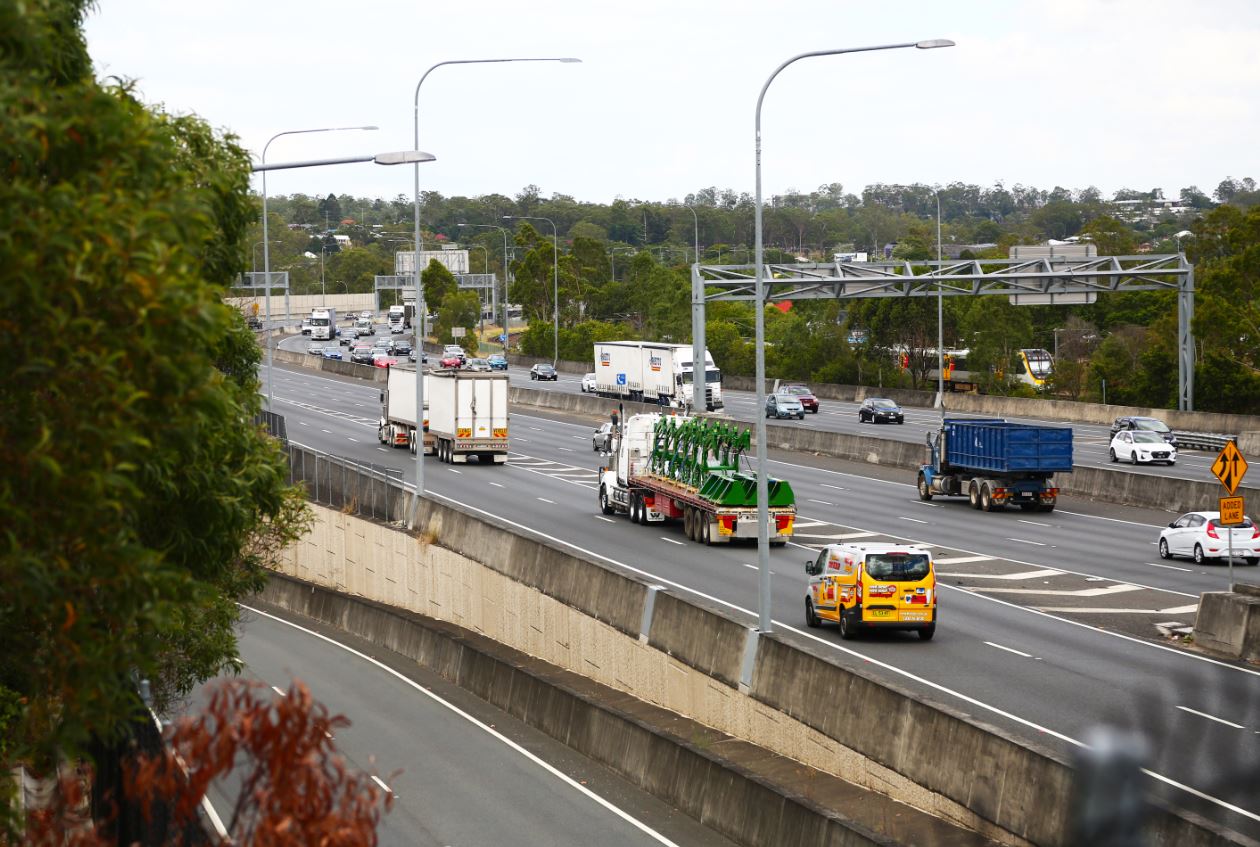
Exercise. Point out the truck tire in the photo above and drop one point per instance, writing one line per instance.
(689, 523)
(604, 505)
(927, 632)
(986, 498)
(848, 629)
(634, 508)
(705, 528)
(1045, 507)
(925, 490)
(811, 617)
(973, 495)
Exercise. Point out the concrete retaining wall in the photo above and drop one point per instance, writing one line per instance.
(588, 616)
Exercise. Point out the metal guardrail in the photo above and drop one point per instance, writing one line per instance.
(1203, 440)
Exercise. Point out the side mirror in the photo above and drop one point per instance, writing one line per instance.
(1172, 525)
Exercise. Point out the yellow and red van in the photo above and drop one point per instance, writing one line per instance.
(872, 586)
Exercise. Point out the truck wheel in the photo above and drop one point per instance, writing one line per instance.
(1045, 507)
(689, 524)
(705, 538)
(973, 495)
(986, 498)
(925, 490)
(604, 505)
(811, 617)
(848, 629)
(927, 632)
(411, 441)
(633, 509)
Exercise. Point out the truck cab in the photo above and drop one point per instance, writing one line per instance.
(872, 586)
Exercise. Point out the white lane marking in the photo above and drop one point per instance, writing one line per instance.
(821, 502)
(1211, 717)
(480, 725)
(382, 449)
(545, 500)
(278, 691)
(836, 487)
(1090, 610)
(349, 438)
(1034, 523)
(1026, 541)
(959, 560)
(835, 537)
(929, 505)
(1010, 650)
(808, 524)
(602, 518)
(518, 438)
(1021, 575)
(671, 541)
(536, 428)
(497, 484)
(745, 564)
(752, 614)
(1170, 567)
(565, 449)
(303, 423)
(383, 786)
(912, 520)
(1119, 588)
(329, 431)
(452, 470)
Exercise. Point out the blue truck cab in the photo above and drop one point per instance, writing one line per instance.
(995, 462)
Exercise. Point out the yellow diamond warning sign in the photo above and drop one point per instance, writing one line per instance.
(1230, 467)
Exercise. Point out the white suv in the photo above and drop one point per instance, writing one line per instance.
(1200, 535)
(588, 383)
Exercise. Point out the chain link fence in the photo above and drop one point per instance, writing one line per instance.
(354, 487)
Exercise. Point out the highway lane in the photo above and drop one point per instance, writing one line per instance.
(1039, 675)
(462, 771)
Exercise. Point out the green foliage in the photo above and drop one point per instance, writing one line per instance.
(996, 331)
(577, 343)
(439, 283)
(460, 309)
(137, 499)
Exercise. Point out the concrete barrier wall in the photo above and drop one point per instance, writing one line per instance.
(1228, 622)
(588, 616)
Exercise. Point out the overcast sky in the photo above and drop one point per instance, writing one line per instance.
(1111, 93)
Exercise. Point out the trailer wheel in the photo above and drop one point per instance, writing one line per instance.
(1045, 507)
(973, 495)
(811, 617)
(704, 533)
(604, 505)
(925, 490)
(986, 498)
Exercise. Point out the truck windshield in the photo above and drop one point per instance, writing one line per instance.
(709, 377)
(897, 567)
(319, 321)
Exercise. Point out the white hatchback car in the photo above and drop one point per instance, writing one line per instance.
(588, 383)
(1200, 536)
(1140, 446)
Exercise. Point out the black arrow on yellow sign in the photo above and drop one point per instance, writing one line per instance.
(1230, 467)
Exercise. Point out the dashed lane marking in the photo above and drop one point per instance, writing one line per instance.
(1022, 575)
(960, 560)
(1118, 588)
(1211, 717)
(1010, 650)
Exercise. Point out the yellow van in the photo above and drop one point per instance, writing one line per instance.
(876, 586)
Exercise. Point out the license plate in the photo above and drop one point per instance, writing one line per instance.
(880, 613)
(915, 616)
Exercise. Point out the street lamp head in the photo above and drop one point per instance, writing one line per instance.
(569, 60)
(933, 43)
(404, 157)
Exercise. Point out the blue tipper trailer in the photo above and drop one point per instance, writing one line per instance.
(995, 462)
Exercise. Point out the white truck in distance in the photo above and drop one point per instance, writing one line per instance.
(468, 415)
(397, 319)
(323, 324)
(650, 372)
(397, 426)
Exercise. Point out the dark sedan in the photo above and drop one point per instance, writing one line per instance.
(1137, 423)
(543, 371)
(879, 410)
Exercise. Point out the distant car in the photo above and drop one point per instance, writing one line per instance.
(879, 410)
(402, 348)
(424, 357)
(363, 327)
(601, 441)
(498, 362)
(306, 326)
(588, 383)
(1142, 446)
(1200, 536)
(802, 393)
(455, 350)
(253, 322)
(784, 406)
(315, 348)
(542, 370)
(479, 365)
(333, 353)
(1137, 423)
(384, 361)
(388, 345)
(361, 354)
(365, 315)
(451, 361)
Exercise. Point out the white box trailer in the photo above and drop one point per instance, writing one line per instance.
(397, 426)
(650, 372)
(323, 324)
(468, 415)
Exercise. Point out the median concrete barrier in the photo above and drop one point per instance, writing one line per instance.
(603, 620)
(1228, 622)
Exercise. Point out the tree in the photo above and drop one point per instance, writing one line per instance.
(139, 501)
(1117, 361)
(439, 283)
(997, 331)
(461, 309)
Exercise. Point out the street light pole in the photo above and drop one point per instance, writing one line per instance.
(763, 511)
(271, 405)
(420, 310)
(699, 362)
(494, 307)
(555, 258)
(940, 319)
